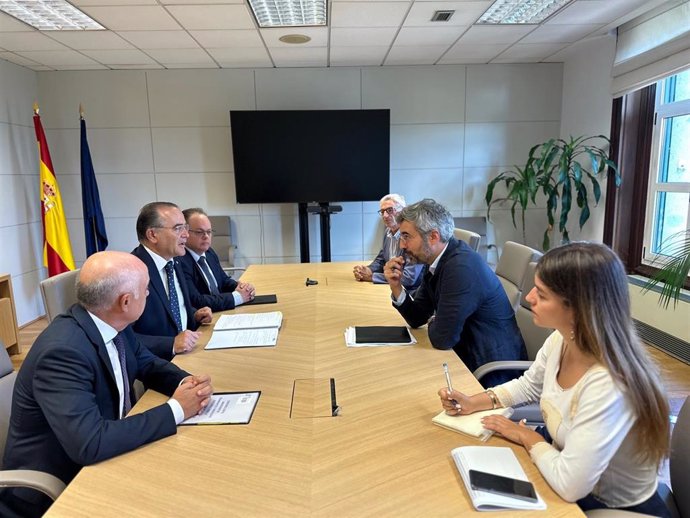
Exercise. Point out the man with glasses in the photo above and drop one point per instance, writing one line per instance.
(169, 322)
(390, 206)
(460, 298)
(208, 284)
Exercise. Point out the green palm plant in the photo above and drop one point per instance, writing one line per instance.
(674, 266)
(562, 170)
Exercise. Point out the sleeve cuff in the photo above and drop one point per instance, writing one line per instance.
(177, 411)
(539, 450)
(237, 298)
(401, 298)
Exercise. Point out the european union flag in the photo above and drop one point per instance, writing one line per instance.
(94, 224)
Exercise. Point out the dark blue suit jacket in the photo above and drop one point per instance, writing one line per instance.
(473, 315)
(199, 292)
(65, 407)
(156, 327)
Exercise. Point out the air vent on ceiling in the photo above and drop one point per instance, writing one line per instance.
(442, 16)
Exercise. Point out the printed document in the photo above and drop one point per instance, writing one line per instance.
(227, 408)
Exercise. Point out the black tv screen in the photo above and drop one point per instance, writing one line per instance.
(311, 156)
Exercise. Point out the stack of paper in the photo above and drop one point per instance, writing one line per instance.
(246, 330)
(378, 335)
(499, 461)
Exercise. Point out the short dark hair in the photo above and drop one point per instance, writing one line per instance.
(149, 217)
(188, 213)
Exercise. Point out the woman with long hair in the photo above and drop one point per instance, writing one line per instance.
(606, 415)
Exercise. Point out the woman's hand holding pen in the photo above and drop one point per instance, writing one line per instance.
(456, 403)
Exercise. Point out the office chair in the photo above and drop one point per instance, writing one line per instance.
(512, 266)
(534, 337)
(677, 497)
(59, 293)
(471, 238)
(38, 480)
(223, 245)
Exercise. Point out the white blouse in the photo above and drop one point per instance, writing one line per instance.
(593, 450)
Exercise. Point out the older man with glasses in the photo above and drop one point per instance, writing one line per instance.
(390, 206)
(169, 321)
(208, 284)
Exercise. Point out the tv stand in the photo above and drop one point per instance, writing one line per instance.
(324, 210)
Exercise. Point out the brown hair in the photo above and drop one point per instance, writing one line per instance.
(592, 281)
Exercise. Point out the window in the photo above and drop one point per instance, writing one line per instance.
(668, 198)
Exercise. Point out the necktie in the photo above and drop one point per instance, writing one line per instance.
(209, 276)
(120, 346)
(172, 296)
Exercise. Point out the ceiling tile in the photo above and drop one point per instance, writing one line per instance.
(466, 13)
(132, 18)
(150, 66)
(248, 57)
(196, 2)
(428, 35)
(318, 35)
(356, 37)
(357, 56)
(41, 68)
(419, 55)
(375, 14)
(179, 56)
(28, 41)
(594, 11)
(182, 66)
(119, 57)
(227, 39)
(300, 57)
(53, 58)
(528, 51)
(93, 3)
(95, 66)
(10, 23)
(90, 40)
(495, 34)
(17, 59)
(160, 39)
(560, 33)
(212, 17)
(484, 51)
(462, 61)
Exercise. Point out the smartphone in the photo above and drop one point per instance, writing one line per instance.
(513, 488)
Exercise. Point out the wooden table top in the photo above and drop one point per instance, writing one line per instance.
(380, 457)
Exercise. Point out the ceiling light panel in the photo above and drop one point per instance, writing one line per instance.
(289, 13)
(50, 15)
(521, 11)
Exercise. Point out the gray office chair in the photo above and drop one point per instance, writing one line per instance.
(677, 497)
(223, 245)
(38, 480)
(512, 266)
(59, 293)
(534, 337)
(471, 238)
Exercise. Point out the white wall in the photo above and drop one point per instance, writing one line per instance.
(164, 135)
(587, 103)
(20, 217)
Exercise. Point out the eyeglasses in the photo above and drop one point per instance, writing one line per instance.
(202, 233)
(389, 211)
(178, 229)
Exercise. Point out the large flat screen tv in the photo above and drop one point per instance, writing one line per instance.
(311, 156)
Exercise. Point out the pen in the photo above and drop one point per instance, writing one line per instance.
(450, 385)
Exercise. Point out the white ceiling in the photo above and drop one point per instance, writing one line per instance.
(153, 34)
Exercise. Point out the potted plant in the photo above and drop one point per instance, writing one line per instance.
(674, 267)
(562, 170)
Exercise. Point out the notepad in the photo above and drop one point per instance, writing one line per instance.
(246, 330)
(499, 461)
(470, 424)
(262, 299)
(378, 335)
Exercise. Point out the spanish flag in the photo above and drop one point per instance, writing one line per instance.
(57, 252)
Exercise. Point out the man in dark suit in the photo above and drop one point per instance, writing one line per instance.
(169, 321)
(74, 389)
(208, 284)
(460, 298)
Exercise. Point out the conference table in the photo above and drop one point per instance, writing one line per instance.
(380, 456)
